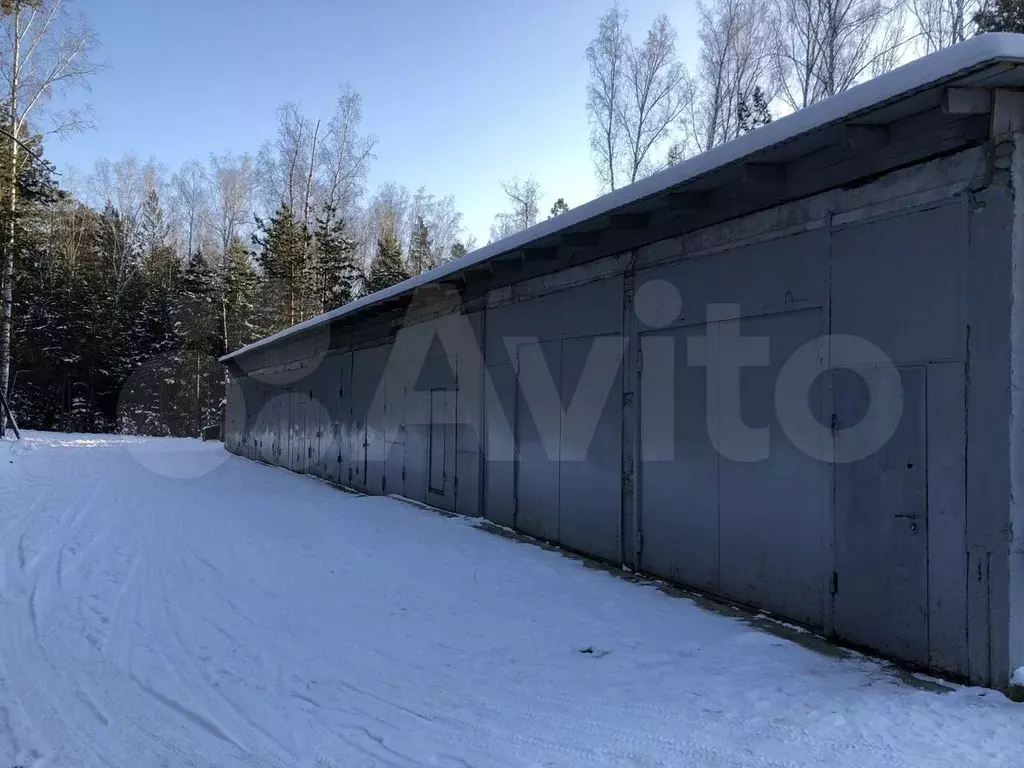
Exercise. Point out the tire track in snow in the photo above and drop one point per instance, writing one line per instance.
(23, 638)
(188, 713)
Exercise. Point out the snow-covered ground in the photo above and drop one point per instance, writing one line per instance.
(165, 604)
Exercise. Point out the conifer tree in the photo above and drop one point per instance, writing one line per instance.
(559, 208)
(387, 267)
(420, 251)
(753, 112)
(1000, 16)
(239, 285)
(336, 270)
(282, 253)
(159, 258)
(193, 397)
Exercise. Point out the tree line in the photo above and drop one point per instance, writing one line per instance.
(119, 288)
(755, 58)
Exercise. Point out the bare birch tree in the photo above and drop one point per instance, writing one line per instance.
(345, 154)
(388, 213)
(734, 61)
(232, 181)
(824, 47)
(190, 197)
(284, 165)
(443, 221)
(524, 207)
(123, 185)
(46, 52)
(942, 23)
(606, 57)
(656, 92)
(795, 53)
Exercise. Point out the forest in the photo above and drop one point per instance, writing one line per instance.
(122, 286)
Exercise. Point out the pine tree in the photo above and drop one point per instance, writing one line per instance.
(239, 286)
(336, 270)
(420, 251)
(458, 250)
(559, 208)
(194, 381)
(159, 259)
(1000, 16)
(675, 153)
(282, 252)
(753, 112)
(387, 267)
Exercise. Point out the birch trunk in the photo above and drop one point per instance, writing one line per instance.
(12, 191)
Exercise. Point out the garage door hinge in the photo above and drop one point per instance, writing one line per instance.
(834, 424)
(834, 586)
(639, 541)
(640, 360)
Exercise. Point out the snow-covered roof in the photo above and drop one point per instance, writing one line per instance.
(934, 69)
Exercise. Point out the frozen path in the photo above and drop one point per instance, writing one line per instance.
(247, 616)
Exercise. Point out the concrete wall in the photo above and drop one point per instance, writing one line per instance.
(903, 551)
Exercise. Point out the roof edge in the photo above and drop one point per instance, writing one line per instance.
(913, 76)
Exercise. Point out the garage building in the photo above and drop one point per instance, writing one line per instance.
(572, 382)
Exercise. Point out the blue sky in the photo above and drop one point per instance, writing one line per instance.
(460, 93)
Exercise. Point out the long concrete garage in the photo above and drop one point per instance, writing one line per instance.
(788, 372)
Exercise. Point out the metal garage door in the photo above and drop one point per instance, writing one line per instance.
(537, 447)
(718, 515)
(881, 538)
(569, 438)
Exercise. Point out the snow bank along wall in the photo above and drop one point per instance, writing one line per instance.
(895, 223)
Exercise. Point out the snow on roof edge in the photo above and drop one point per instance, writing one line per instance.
(917, 74)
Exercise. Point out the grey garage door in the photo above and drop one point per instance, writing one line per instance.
(745, 517)
(881, 538)
(569, 457)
